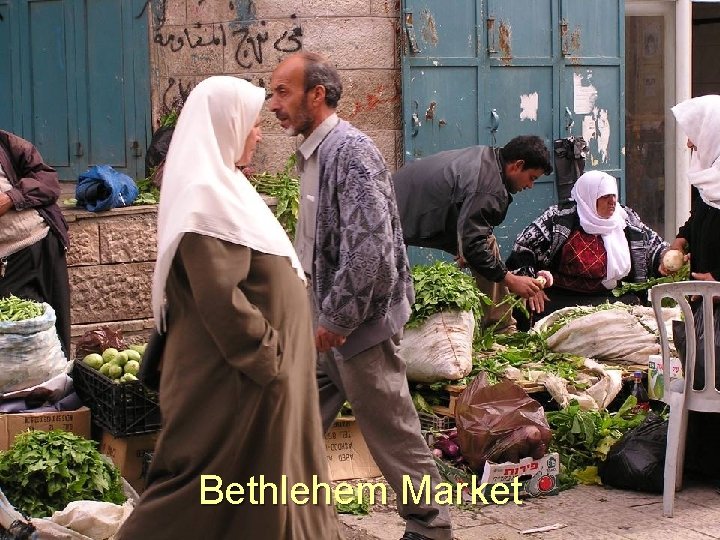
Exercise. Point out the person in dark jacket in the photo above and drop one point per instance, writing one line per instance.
(452, 201)
(33, 232)
(588, 245)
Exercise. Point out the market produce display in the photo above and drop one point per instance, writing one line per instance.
(45, 470)
(120, 366)
(13, 308)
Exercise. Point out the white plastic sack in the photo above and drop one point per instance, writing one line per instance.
(440, 348)
(30, 352)
(611, 335)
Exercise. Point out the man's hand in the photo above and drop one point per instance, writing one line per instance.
(536, 303)
(460, 261)
(326, 340)
(5, 203)
(523, 286)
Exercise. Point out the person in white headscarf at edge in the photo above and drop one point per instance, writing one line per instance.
(238, 393)
(588, 245)
(699, 119)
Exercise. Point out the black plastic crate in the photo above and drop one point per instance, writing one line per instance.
(123, 409)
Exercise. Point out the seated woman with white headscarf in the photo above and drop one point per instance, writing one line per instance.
(588, 245)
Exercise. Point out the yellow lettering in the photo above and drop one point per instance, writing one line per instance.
(478, 491)
(299, 490)
(494, 493)
(203, 488)
(317, 486)
(371, 489)
(444, 493)
(263, 486)
(516, 490)
(232, 490)
(424, 486)
(342, 490)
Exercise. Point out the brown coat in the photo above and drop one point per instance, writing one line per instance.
(239, 400)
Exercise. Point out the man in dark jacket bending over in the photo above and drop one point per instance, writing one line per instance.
(452, 201)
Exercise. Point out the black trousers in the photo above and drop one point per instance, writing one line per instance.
(39, 272)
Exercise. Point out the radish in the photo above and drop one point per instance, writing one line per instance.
(673, 260)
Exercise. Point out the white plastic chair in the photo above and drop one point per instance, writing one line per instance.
(679, 393)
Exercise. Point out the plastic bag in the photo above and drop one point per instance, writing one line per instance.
(96, 341)
(30, 352)
(440, 348)
(499, 423)
(637, 461)
(101, 188)
(679, 338)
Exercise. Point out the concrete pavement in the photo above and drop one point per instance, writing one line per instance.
(586, 513)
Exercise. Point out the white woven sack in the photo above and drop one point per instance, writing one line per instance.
(612, 335)
(30, 358)
(440, 348)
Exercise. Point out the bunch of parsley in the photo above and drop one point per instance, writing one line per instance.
(43, 471)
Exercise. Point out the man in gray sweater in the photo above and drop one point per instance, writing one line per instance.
(452, 201)
(350, 245)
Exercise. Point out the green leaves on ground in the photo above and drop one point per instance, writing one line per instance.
(43, 471)
(583, 438)
(356, 507)
(443, 286)
(285, 187)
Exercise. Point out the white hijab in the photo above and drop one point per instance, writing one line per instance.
(203, 191)
(587, 190)
(699, 118)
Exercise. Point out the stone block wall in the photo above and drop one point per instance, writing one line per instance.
(194, 39)
(110, 263)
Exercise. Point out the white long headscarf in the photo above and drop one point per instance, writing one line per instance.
(699, 118)
(203, 191)
(587, 190)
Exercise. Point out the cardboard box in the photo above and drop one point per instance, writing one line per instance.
(11, 424)
(537, 476)
(347, 454)
(128, 454)
(656, 382)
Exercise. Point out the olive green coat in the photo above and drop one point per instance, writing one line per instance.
(239, 400)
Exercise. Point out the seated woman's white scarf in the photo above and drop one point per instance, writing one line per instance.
(587, 190)
(699, 118)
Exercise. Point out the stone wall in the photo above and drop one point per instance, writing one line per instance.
(110, 262)
(193, 39)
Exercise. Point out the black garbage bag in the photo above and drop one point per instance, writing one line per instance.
(158, 149)
(679, 338)
(637, 461)
(569, 156)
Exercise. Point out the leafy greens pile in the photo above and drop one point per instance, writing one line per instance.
(43, 471)
(443, 286)
(583, 438)
(285, 187)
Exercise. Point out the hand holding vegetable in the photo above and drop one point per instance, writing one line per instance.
(521, 285)
(672, 261)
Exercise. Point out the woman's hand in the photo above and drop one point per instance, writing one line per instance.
(536, 303)
(706, 276)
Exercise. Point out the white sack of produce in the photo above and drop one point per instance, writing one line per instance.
(30, 351)
(84, 520)
(440, 348)
(612, 334)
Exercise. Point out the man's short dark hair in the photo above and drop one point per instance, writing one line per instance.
(318, 71)
(531, 149)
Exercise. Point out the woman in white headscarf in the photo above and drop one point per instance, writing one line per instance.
(588, 245)
(699, 118)
(237, 390)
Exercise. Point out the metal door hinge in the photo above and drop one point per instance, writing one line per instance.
(413, 47)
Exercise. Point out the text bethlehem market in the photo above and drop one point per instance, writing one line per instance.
(262, 492)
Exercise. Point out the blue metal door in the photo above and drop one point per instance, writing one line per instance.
(483, 72)
(77, 75)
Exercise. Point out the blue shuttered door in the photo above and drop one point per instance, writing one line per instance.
(487, 71)
(80, 86)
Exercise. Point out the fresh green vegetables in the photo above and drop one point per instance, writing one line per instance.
(681, 275)
(355, 507)
(285, 187)
(583, 438)
(43, 471)
(443, 286)
(13, 308)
